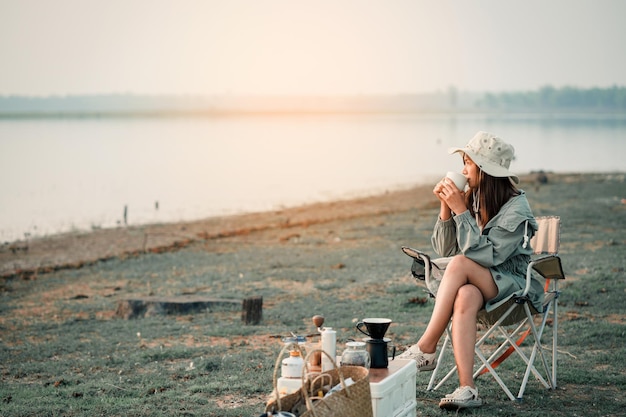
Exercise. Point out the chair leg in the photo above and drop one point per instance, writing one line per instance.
(537, 348)
(554, 334)
(510, 343)
(493, 373)
(447, 343)
(538, 335)
(504, 347)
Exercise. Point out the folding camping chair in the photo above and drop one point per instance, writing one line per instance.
(517, 311)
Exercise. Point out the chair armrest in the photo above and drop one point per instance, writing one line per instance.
(420, 269)
(549, 267)
(415, 253)
(426, 269)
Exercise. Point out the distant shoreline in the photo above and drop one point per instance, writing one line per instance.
(589, 114)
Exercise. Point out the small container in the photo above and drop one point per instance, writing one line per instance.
(292, 366)
(329, 345)
(355, 354)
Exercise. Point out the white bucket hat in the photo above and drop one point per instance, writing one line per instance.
(491, 154)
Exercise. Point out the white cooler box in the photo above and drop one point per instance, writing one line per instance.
(393, 389)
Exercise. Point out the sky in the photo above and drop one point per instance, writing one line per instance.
(321, 47)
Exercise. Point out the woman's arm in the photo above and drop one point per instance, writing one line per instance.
(444, 238)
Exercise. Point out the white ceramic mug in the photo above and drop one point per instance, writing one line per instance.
(458, 179)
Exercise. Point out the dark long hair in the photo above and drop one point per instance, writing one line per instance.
(493, 193)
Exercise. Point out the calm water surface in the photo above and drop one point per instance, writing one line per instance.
(60, 175)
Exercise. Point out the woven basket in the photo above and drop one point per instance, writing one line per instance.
(351, 401)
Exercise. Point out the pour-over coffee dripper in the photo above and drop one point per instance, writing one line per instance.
(376, 327)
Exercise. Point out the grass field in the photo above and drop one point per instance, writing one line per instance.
(63, 352)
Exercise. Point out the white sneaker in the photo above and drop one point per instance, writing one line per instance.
(425, 361)
(462, 397)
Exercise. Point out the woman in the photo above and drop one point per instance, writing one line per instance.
(486, 230)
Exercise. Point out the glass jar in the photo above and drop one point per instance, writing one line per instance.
(355, 355)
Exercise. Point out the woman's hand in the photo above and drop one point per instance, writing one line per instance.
(450, 196)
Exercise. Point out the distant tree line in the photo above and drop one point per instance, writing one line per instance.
(611, 100)
(572, 98)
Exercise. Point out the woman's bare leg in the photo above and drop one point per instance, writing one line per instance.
(459, 272)
(468, 303)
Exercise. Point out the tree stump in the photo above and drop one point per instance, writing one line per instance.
(252, 310)
(154, 306)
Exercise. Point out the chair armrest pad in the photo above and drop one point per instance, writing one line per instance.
(549, 267)
(414, 253)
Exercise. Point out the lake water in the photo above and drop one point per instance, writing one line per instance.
(66, 174)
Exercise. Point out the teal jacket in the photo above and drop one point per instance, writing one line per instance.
(502, 246)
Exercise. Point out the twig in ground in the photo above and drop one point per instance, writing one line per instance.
(115, 386)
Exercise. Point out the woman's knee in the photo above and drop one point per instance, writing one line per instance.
(469, 300)
(471, 272)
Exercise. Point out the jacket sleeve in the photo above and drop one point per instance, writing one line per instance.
(444, 238)
(492, 247)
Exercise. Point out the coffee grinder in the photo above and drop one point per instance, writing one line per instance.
(376, 343)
